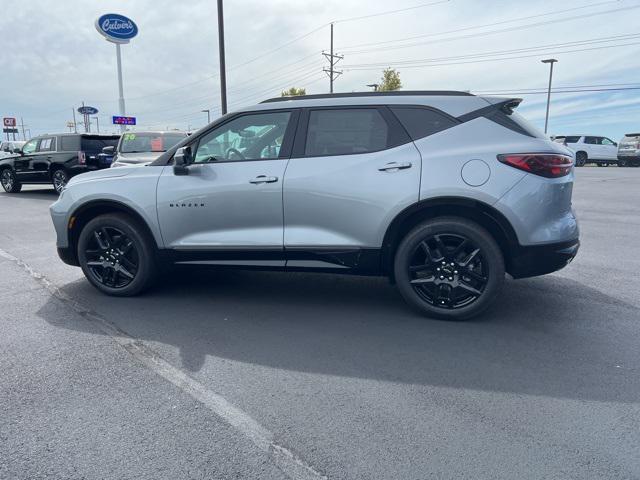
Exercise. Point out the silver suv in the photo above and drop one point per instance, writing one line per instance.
(442, 192)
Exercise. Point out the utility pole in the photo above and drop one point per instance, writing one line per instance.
(75, 125)
(223, 75)
(333, 60)
(22, 125)
(97, 123)
(550, 61)
(208, 112)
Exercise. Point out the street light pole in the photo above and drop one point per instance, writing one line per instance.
(550, 61)
(223, 76)
(208, 112)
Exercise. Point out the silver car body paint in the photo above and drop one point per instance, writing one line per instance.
(334, 201)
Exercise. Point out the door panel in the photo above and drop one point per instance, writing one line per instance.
(222, 206)
(346, 200)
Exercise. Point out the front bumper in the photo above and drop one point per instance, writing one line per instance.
(531, 261)
(67, 256)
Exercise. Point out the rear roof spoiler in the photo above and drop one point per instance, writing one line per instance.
(632, 134)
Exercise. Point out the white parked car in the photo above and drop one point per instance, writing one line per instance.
(590, 149)
(8, 148)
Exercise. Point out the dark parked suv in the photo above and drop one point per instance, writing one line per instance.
(53, 159)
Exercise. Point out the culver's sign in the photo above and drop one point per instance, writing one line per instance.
(116, 28)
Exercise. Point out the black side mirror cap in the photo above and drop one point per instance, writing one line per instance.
(181, 160)
(17, 150)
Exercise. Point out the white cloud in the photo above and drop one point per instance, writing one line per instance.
(53, 58)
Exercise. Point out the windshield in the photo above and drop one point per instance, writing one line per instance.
(149, 142)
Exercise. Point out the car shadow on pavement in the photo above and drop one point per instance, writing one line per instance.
(46, 194)
(548, 336)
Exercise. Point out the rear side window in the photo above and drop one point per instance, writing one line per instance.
(96, 144)
(422, 122)
(592, 140)
(346, 131)
(69, 144)
(47, 145)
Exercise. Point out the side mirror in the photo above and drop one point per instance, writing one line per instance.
(181, 160)
(17, 150)
(615, 144)
(108, 150)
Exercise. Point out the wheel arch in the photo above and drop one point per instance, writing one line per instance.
(485, 215)
(88, 211)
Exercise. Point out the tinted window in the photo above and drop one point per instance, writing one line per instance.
(339, 132)
(591, 140)
(96, 144)
(249, 137)
(69, 143)
(573, 139)
(422, 122)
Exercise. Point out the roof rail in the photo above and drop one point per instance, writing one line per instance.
(401, 93)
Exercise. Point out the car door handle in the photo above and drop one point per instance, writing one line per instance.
(263, 179)
(395, 166)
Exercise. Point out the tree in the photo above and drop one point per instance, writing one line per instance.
(390, 81)
(294, 92)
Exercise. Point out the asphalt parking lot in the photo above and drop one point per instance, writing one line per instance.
(267, 375)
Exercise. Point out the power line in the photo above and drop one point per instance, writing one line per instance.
(490, 32)
(537, 54)
(556, 12)
(390, 12)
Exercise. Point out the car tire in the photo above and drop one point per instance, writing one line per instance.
(9, 181)
(602, 164)
(449, 268)
(117, 255)
(581, 159)
(59, 178)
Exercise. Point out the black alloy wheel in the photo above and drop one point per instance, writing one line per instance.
(581, 159)
(59, 178)
(9, 181)
(117, 254)
(111, 257)
(449, 268)
(448, 271)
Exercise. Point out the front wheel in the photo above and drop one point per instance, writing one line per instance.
(581, 159)
(59, 179)
(116, 255)
(9, 181)
(622, 163)
(449, 268)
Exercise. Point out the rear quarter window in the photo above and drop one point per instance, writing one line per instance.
(421, 122)
(573, 139)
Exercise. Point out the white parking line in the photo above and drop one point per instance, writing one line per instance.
(290, 464)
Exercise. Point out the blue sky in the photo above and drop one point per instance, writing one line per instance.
(53, 59)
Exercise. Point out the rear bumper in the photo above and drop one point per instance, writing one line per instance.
(537, 260)
(633, 158)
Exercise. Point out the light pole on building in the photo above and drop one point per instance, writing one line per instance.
(550, 61)
(208, 112)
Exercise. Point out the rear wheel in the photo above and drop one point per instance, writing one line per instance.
(59, 179)
(116, 255)
(449, 268)
(581, 159)
(9, 181)
(622, 163)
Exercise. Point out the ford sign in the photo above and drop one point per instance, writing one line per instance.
(116, 28)
(87, 110)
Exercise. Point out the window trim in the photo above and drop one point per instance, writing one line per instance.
(285, 148)
(394, 126)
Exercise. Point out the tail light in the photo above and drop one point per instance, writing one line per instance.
(82, 158)
(550, 165)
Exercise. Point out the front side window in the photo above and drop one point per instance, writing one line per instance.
(346, 131)
(255, 136)
(30, 146)
(606, 141)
